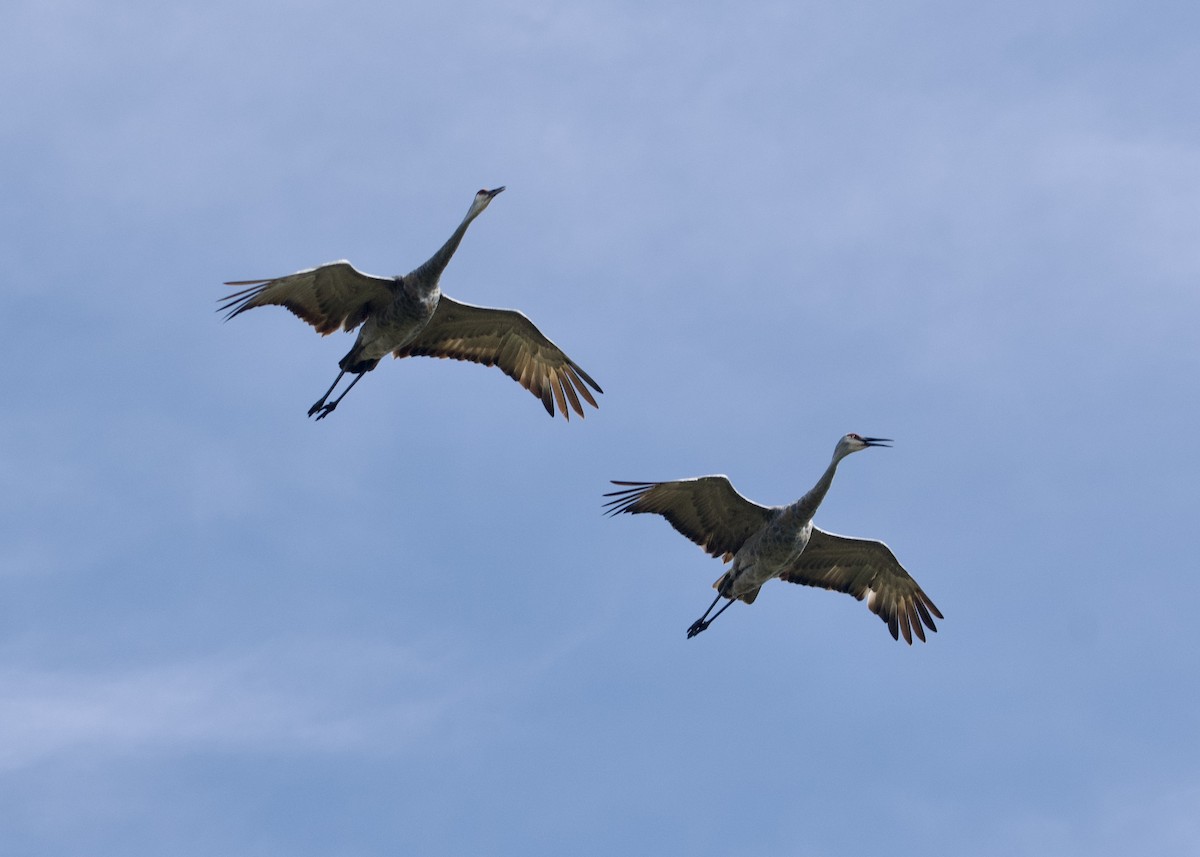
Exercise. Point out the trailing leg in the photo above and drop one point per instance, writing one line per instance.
(321, 401)
(703, 622)
(326, 410)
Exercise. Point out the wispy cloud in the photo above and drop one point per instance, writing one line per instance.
(280, 698)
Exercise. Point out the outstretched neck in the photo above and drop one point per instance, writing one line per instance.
(432, 270)
(807, 505)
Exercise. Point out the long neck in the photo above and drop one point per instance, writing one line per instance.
(431, 271)
(807, 505)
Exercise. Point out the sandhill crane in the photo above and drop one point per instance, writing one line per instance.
(409, 316)
(782, 542)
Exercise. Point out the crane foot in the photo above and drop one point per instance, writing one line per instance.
(326, 410)
(697, 626)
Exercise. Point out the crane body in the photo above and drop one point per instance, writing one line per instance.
(762, 543)
(409, 316)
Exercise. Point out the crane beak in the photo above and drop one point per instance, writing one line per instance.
(492, 193)
(878, 441)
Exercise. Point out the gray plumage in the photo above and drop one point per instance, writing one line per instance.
(781, 541)
(409, 316)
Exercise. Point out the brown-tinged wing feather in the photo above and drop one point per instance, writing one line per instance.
(707, 510)
(507, 339)
(866, 569)
(328, 297)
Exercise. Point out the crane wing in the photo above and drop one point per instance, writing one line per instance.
(505, 338)
(866, 569)
(327, 297)
(707, 510)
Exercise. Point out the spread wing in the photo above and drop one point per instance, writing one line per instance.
(505, 338)
(328, 297)
(866, 569)
(707, 510)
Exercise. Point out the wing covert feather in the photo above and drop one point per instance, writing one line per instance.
(509, 340)
(708, 510)
(868, 569)
(328, 297)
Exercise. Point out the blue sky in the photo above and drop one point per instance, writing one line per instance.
(408, 629)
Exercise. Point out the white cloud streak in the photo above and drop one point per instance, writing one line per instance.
(294, 698)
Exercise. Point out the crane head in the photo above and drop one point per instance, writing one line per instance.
(856, 442)
(482, 199)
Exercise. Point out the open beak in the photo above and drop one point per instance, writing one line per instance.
(492, 193)
(877, 441)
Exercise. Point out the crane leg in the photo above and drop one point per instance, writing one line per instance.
(321, 401)
(701, 623)
(327, 409)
